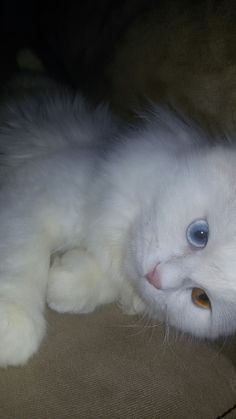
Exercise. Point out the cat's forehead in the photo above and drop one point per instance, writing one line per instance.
(204, 187)
(209, 171)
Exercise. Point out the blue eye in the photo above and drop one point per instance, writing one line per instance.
(197, 233)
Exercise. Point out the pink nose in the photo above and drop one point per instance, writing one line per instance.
(154, 278)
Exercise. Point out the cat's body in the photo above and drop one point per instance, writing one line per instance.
(113, 216)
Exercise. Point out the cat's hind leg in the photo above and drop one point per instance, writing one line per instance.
(32, 223)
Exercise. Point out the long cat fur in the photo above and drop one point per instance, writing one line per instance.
(87, 213)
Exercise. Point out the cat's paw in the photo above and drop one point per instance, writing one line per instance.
(20, 334)
(77, 285)
(70, 287)
(66, 294)
(136, 306)
(130, 302)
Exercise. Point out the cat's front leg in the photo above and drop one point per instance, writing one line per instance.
(21, 332)
(24, 263)
(78, 284)
(41, 209)
(22, 299)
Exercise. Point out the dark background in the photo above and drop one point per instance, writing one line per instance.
(74, 39)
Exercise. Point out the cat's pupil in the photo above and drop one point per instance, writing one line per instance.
(200, 235)
(200, 298)
(203, 297)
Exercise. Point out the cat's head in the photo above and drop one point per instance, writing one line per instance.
(181, 255)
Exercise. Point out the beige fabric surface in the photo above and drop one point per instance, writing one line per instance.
(108, 365)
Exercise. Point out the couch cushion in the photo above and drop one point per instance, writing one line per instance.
(109, 365)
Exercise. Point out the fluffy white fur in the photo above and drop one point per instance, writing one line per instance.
(84, 219)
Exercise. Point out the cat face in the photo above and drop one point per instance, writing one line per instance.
(181, 255)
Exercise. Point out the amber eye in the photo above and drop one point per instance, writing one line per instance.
(200, 298)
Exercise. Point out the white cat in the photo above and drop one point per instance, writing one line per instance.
(147, 219)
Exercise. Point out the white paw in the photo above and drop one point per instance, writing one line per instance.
(130, 302)
(75, 283)
(20, 334)
(66, 295)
